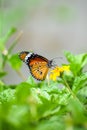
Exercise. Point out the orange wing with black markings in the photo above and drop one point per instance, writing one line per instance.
(38, 68)
(38, 65)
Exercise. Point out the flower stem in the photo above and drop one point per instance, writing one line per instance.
(68, 87)
(74, 96)
(21, 75)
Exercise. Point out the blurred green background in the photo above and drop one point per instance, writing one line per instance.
(49, 27)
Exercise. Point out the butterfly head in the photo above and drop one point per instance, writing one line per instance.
(24, 56)
(52, 63)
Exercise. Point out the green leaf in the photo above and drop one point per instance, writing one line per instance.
(9, 34)
(52, 123)
(76, 62)
(77, 111)
(31, 81)
(1, 86)
(70, 57)
(7, 95)
(69, 77)
(20, 114)
(4, 39)
(82, 95)
(79, 82)
(2, 74)
(23, 92)
(15, 62)
(2, 46)
(82, 59)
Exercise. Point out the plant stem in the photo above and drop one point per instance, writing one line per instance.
(67, 85)
(74, 96)
(15, 42)
(21, 75)
(10, 49)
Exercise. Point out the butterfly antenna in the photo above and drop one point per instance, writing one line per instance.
(54, 62)
(57, 58)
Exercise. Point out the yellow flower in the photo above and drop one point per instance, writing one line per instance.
(66, 68)
(57, 71)
(54, 73)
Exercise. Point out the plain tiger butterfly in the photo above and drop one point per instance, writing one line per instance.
(38, 65)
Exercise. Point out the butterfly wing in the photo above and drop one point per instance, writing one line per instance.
(37, 64)
(38, 67)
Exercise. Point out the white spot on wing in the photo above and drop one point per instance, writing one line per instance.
(28, 56)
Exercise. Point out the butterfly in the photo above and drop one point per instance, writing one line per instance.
(38, 65)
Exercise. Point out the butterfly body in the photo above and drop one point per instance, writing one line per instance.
(38, 65)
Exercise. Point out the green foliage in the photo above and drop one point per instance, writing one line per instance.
(50, 105)
(77, 62)
(79, 82)
(15, 62)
